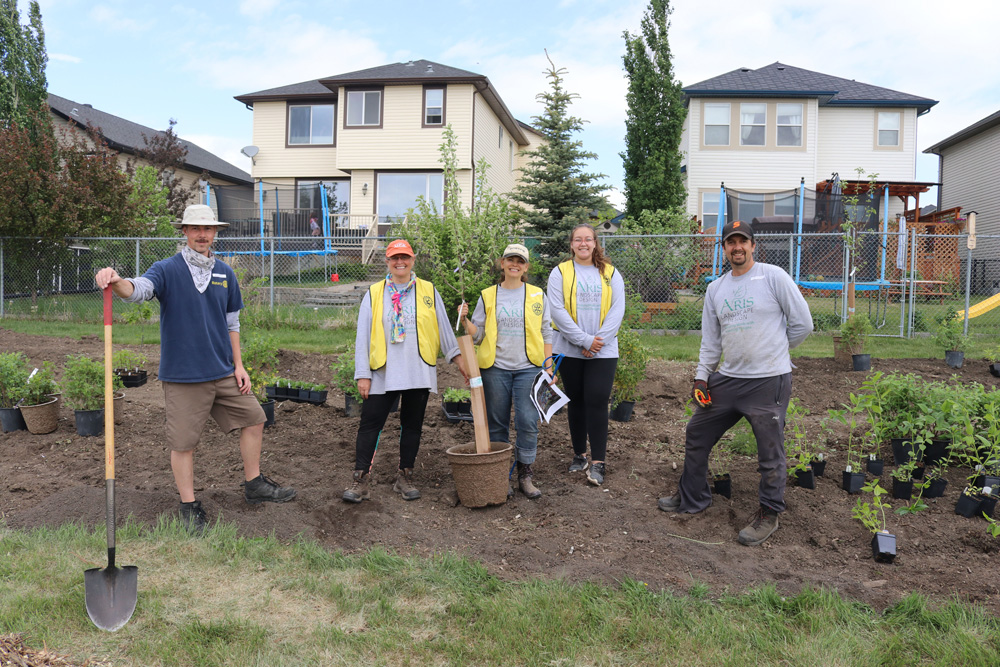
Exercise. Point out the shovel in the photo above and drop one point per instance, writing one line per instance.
(111, 593)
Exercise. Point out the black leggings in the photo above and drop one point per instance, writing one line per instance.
(587, 383)
(374, 412)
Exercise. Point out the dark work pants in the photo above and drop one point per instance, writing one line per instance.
(587, 383)
(374, 412)
(764, 402)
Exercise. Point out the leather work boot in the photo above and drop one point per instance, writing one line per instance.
(264, 489)
(763, 523)
(193, 517)
(360, 488)
(404, 485)
(670, 503)
(524, 476)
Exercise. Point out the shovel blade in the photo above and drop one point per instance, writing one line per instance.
(111, 595)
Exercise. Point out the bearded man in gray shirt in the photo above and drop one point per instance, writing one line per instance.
(752, 317)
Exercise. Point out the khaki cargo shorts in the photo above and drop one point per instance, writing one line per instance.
(189, 404)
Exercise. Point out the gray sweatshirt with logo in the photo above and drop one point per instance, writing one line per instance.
(750, 322)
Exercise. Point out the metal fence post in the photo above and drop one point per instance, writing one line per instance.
(913, 277)
(272, 273)
(138, 272)
(2, 299)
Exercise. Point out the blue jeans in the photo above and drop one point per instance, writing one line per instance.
(503, 388)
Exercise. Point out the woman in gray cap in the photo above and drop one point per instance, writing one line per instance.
(512, 327)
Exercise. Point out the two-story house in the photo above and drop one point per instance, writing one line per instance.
(372, 137)
(760, 131)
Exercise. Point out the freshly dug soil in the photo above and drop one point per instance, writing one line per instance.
(575, 531)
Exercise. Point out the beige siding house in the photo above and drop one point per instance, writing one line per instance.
(372, 138)
(764, 130)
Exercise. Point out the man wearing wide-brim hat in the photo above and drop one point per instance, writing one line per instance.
(201, 367)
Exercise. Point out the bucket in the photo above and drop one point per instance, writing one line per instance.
(89, 422)
(11, 420)
(41, 418)
(119, 404)
(481, 479)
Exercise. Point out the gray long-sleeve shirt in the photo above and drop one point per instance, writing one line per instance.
(575, 336)
(404, 369)
(754, 320)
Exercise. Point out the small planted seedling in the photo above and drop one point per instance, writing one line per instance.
(871, 514)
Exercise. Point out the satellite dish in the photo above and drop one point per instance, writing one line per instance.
(250, 151)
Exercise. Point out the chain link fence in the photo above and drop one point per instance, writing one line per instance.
(907, 284)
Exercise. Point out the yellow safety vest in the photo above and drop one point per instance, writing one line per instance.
(428, 336)
(568, 272)
(534, 346)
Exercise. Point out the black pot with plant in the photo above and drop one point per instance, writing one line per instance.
(83, 387)
(14, 372)
(951, 336)
(968, 504)
(853, 334)
(457, 405)
(343, 379)
(631, 370)
(722, 485)
(871, 514)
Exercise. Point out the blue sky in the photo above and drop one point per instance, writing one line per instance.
(152, 61)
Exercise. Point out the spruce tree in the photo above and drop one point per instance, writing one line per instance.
(554, 185)
(656, 113)
(22, 64)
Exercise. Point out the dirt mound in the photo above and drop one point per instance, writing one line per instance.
(575, 531)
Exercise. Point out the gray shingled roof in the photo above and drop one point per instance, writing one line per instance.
(778, 79)
(414, 70)
(987, 123)
(127, 137)
(304, 89)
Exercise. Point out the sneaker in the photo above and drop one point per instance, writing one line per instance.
(360, 488)
(763, 523)
(525, 483)
(579, 463)
(595, 475)
(193, 517)
(670, 503)
(264, 489)
(404, 485)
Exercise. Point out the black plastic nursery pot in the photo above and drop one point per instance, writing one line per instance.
(268, 408)
(11, 420)
(352, 408)
(875, 466)
(902, 490)
(995, 370)
(456, 412)
(936, 452)
(819, 467)
(935, 489)
(862, 362)
(89, 422)
(991, 481)
(918, 472)
(853, 481)
(988, 503)
(622, 412)
(133, 378)
(954, 358)
(722, 485)
(901, 448)
(883, 547)
(806, 478)
(968, 506)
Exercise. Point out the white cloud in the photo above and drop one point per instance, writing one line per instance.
(257, 8)
(62, 57)
(111, 19)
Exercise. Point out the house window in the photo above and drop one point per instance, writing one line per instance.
(500, 136)
(753, 118)
(749, 206)
(433, 107)
(397, 193)
(888, 128)
(364, 108)
(786, 205)
(789, 124)
(308, 195)
(510, 155)
(709, 210)
(310, 124)
(716, 124)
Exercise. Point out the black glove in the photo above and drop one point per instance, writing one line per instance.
(700, 393)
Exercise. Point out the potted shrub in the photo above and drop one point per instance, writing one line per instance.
(854, 333)
(800, 459)
(83, 386)
(128, 367)
(317, 394)
(632, 359)
(993, 357)
(951, 337)
(260, 357)
(968, 502)
(343, 379)
(40, 405)
(902, 479)
(850, 416)
(260, 379)
(722, 459)
(14, 372)
(457, 404)
(872, 516)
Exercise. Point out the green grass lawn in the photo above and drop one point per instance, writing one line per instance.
(231, 600)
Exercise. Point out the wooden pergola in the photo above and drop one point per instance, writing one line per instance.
(901, 189)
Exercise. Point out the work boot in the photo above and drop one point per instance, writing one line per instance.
(360, 488)
(595, 475)
(404, 484)
(670, 503)
(763, 523)
(193, 517)
(579, 463)
(262, 489)
(524, 476)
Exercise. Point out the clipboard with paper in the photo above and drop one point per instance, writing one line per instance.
(547, 398)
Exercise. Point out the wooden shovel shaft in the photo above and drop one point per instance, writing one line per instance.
(478, 399)
(109, 393)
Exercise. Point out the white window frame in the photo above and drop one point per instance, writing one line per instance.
(710, 202)
(800, 124)
(717, 105)
(312, 125)
(886, 115)
(352, 97)
(762, 124)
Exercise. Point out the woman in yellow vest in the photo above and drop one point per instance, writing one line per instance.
(588, 304)
(402, 325)
(512, 328)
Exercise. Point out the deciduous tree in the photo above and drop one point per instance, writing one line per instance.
(22, 64)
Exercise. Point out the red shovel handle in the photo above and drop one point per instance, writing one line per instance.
(107, 306)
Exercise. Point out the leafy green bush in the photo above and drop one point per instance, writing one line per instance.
(343, 376)
(452, 395)
(951, 335)
(14, 371)
(632, 359)
(83, 383)
(855, 331)
(40, 385)
(127, 359)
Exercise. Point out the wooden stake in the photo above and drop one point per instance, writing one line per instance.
(478, 399)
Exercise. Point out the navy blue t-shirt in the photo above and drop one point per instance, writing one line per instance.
(194, 334)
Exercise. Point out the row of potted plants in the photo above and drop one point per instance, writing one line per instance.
(298, 391)
(950, 337)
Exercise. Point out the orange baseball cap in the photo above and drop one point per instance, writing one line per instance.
(399, 247)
